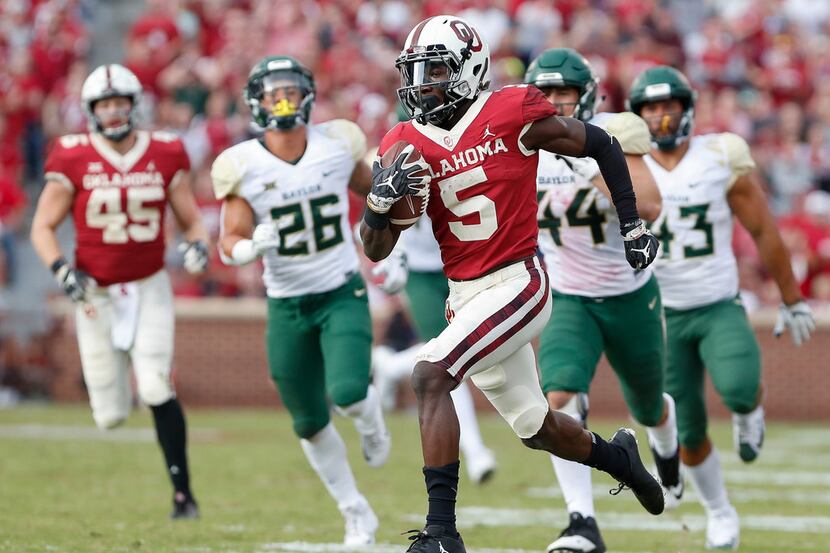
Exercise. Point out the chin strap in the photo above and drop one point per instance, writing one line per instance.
(117, 134)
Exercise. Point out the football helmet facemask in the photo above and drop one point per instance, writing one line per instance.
(454, 48)
(662, 83)
(268, 75)
(565, 67)
(110, 81)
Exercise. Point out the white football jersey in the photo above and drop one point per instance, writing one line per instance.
(697, 266)
(579, 232)
(307, 201)
(422, 251)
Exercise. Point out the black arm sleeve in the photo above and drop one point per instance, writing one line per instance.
(609, 155)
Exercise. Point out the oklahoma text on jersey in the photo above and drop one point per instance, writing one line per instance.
(483, 206)
(120, 201)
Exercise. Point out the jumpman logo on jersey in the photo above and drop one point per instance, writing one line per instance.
(487, 132)
(441, 548)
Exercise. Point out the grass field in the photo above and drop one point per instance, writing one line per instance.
(65, 487)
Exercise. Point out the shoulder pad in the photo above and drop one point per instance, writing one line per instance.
(69, 141)
(738, 154)
(226, 174)
(163, 136)
(629, 130)
(348, 131)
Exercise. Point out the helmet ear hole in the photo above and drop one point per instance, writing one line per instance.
(476, 69)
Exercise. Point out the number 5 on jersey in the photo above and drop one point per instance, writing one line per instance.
(481, 204)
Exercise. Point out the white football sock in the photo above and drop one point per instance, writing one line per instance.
(471, 443)
(663, 437)
(366, 414)
(326, 453)
(575, 482)
(708, 482)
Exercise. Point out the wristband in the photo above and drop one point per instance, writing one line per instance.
(57, 264)
(375, 220)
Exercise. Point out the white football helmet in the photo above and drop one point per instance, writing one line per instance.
(108, 81)
(450, 41)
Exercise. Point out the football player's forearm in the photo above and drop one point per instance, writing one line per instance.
(45, 243)
(195, 231)
(605, 149)
(377, 243)
(776, 259)
(227, 242)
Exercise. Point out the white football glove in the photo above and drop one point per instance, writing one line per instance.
(265, 238)
(76, 284)
(195, 256)
(395, 272)
(798, 319)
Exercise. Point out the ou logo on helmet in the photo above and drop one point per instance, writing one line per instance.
(464, 33)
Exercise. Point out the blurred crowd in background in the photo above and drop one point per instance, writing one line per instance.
(761, 69)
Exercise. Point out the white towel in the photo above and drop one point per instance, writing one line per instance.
(124, 299)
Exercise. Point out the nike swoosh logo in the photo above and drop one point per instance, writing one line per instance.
(327, 173)
(652, 304)
(360, 292)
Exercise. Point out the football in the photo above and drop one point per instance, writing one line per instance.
(406, 211)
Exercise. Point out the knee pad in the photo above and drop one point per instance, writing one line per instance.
(154, 389)
(109, 421)
(348, 399)
(577, 408)
(308, 426)
(648, 410)
(519, 401)
(526, 417)
(356, 407)
(740, 399)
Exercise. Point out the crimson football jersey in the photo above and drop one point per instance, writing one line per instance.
(120, 200)
(483, 192)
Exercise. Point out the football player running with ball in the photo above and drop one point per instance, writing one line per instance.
(117, 181)
(481, 148)
(416, 266)
(705, 180)
(286, 200)
(601, 303)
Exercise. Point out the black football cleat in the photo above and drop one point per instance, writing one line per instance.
(184, 509)
(646, 488)
(435, 539)
(668, 470)
(581, 536)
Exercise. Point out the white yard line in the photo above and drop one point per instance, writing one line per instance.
(86, 433)
(738, 496)
(774, 458)
(308, 547)
(800, 438)
(488, 516)
(92, 434)
(778, 478)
